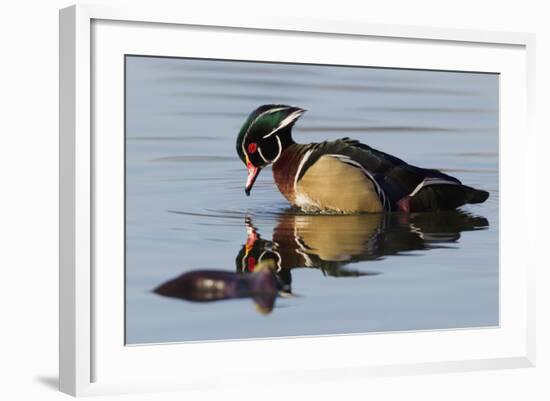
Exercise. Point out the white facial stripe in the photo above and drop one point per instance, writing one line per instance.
(262, 155)
(288, 120)
(259, 116)
(275, 110)
(280, 149)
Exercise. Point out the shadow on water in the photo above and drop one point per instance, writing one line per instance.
(329, 243)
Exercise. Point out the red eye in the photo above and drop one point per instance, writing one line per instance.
(252, 147)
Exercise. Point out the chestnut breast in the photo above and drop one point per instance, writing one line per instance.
(285, 169)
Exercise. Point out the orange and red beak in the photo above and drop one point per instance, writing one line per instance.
(253, 172)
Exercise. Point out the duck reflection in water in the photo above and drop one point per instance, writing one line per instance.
(330, 243)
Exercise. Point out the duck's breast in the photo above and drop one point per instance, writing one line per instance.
(286, 169)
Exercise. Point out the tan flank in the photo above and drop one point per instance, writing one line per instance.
(332, 184)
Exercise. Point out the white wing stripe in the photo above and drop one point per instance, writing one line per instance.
(300, 166)
(431, 181)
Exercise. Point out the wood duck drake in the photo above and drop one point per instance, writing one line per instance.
(344, 175)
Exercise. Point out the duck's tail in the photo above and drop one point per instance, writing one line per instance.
(446, 197)
(473, 195)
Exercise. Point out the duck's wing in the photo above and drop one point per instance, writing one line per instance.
(396, 179)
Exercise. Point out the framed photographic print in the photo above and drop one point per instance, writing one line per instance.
(339, 199)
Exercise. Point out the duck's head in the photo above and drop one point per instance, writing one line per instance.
(264, 136)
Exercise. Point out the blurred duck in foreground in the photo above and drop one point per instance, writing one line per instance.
(216, 285)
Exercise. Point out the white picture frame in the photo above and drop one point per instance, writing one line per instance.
(93, 357)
